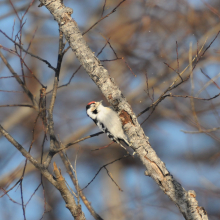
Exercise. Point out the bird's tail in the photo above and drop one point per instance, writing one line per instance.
(126, 141)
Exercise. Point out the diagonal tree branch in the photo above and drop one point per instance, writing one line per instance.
(155, 168)
(27, 155)
(58, 182)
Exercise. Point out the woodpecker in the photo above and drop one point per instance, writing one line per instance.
(108, 121)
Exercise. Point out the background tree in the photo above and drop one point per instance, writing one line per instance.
(133, 44)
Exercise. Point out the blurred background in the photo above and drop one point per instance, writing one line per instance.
(146, 34)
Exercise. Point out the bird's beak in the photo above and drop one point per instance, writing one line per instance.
(99, 103)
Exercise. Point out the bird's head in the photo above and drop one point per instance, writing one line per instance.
(92, 106)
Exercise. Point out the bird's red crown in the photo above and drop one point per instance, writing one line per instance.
(91, 102)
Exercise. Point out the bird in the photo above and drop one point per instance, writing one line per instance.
(108, 121)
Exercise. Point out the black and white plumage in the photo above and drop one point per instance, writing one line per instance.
(107, 120)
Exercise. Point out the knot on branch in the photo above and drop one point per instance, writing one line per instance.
(125, 117)
(66, 15)
(57, 173)
(192, 193)
(146, 173)
(77, 212)
(202, 212)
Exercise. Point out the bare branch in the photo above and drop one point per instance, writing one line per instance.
(6, 193)
(125, 156)
(27, 155)
(75, 182)
(59, 183)
(170, 95)
(18, 105)
(201, 131)
(210, 79)
(208, 83)
(75, 142)
(37, 57)
(114, 10)
(19, 81)
(173, 86)
(68, 81)
(103, 9)
(33, 194)
(174, 70)
(75, 210)
(111, 177)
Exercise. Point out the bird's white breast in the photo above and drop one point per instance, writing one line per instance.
(111, 119)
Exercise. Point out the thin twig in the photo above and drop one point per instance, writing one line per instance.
(15, 10)
(22, 199)
(155, 104)
(174, 70)
(20, 38)
(120, 58)
(45, 61)
(30, 95)
(68, 81)
(111, 177)
(192, 87)
(12, 91)
(211, 79)
(125, 156)
(177, 59)
(206, 49)
(12, 34)
(30, 42)
(7, 77)
(148, 90)
(104, 17)
(42, 108)
(28, 9)
(6, 193)
(103, 8)
(32, 195)
(187, 96)
(22, 60)
(100, 148)
(66, 50)
(71, 173)
(75, 142)
(18, 105)
(25, 165)
(107, 40)
(128, 66)
(212, 9)
(201, 131)
(173, 86)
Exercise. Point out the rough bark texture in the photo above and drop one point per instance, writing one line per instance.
(155, 168)
(75, 209)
